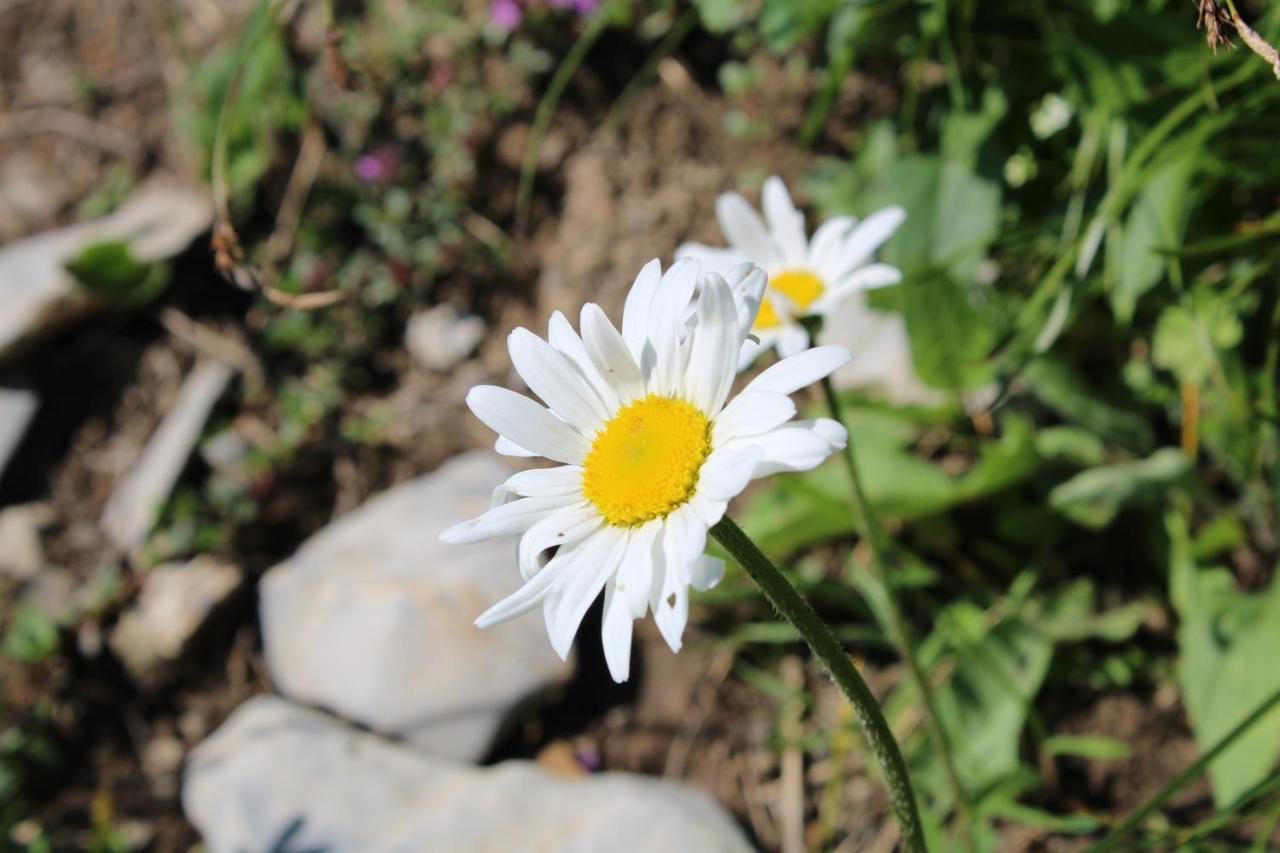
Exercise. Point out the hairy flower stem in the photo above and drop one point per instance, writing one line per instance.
(824, 644)
(892, 622)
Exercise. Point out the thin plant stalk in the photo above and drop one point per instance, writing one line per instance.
(875, 730)
(869, 529)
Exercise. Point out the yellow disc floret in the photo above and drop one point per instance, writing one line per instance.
(800, 287)
(644, 462)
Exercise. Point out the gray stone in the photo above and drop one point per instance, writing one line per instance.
(21, 554)
(372, 618)
(40, 296)
(175, 601)
(440, 337)
(131, 510)
(279, 777)
(18, 404)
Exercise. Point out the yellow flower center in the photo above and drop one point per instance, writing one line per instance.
(644, 462)
(801, 288)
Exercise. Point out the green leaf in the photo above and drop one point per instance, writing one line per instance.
(1189, 338)
(109, 269)
(1227, 643)
(32, 636)
(950, 340)
(720, 16)
(1157, 221)
(1059, 387)
(1086, 746)
(1092, 498)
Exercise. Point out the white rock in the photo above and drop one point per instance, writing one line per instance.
(440, 337)
(173, 604)
(131, 510)
(21, 554)
(279, 777)
(37, 292)
(372, 618)
(18, 404)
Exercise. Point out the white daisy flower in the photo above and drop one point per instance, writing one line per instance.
(806, 277)
(651, 450)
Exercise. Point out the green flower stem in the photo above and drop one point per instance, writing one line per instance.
(824, 644)
(873, 534)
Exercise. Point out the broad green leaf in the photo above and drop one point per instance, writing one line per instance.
(1227, 643)
(1071, 444)
(720, 16)
(1092, 498)
(949, 338)
(1156, 221)
(1188, 338)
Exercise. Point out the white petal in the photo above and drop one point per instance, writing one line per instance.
(714, 348)
(745, 231)
(828, 239)
(865, 278)
(798, 446)
(684, 535)
(505, 520)
(592, 563)
(562, 336)
(562, 528)
(670, 601)
(751, 350)
(635, 574)
(864, 239)
(615, 633)
(537, 482)
(727, 471)
(610, 355)
(792, 374)
(526, 597)
(705, 572)
(786, 223)
(792, 340)
(635, 313)
(551, 376)
(751, 414)
(708, 510)
(507, 447)
(666, 313)
(748, 283)
(712, 259)
(527, 424)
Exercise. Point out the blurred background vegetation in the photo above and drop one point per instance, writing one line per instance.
(1084, 508)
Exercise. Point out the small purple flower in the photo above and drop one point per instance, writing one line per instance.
(378, 166)
(505, 14)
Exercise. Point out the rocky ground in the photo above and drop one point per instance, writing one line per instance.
(317, 683)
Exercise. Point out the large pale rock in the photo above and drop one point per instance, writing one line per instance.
(175, 601)
(279, 777)
(373, 617)
(131, 510)
(440, 337)
(18, 404)
(21, 553)
(37, 292)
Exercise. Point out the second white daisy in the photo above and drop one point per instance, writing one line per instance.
(806, 277)
(651, 450)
